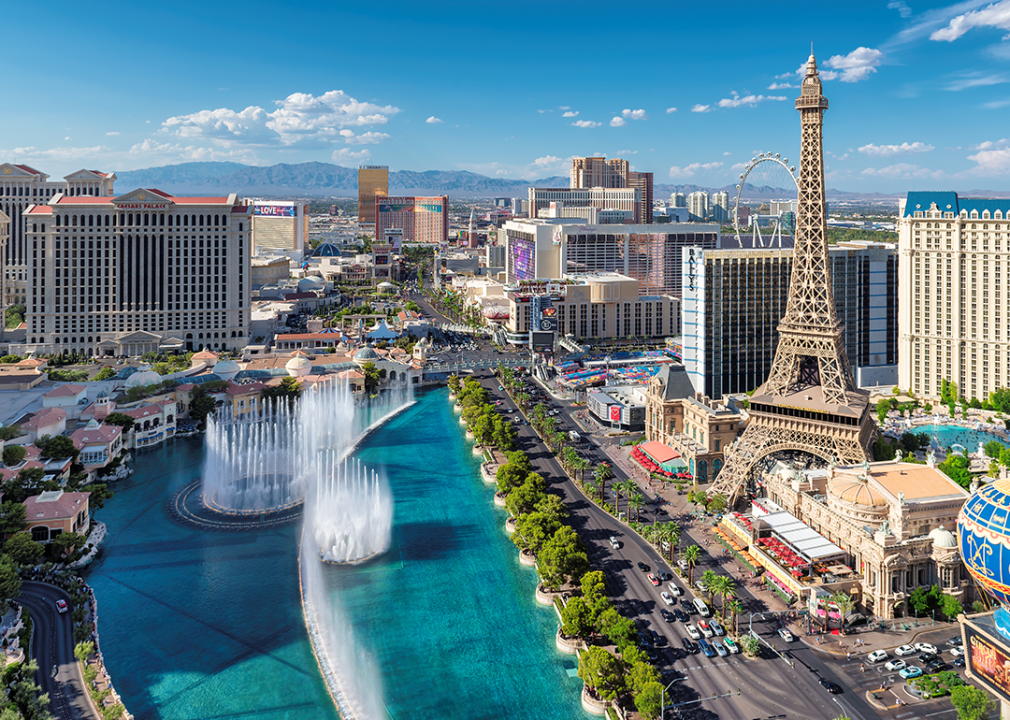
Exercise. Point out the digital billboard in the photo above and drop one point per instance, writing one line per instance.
(988, 661)
(274, 210)
(542, 341)
(615, 413)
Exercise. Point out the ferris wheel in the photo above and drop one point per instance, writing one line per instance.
(765, 171)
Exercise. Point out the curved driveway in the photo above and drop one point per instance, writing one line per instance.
(768, 687)
(53, 644)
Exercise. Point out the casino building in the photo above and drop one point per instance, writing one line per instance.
(411, 219)
(144, 270)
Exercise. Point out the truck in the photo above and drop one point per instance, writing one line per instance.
(574, 436)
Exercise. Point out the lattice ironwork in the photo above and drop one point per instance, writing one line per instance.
(810, 352)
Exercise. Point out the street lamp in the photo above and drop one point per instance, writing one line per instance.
(662, 698)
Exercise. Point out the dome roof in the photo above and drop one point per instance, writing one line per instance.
(143, 378)
(310, 283)
(851, 490)
(942, 537)
(366, 353)
(386, 284)
(227, 369)
(102, 395)
(298, 365)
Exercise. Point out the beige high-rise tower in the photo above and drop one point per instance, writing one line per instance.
(809, 404)
(373, 182)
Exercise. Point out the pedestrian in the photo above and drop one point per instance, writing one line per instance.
(848, 656)
(862, 668)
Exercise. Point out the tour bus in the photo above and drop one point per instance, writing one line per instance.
(702, 607)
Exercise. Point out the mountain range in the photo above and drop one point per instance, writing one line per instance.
(315, 179)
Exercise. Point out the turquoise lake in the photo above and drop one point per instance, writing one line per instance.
(198, 624)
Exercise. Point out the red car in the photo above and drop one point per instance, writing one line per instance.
(653, 579)
(61, 606)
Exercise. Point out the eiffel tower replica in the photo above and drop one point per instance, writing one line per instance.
(809, 402)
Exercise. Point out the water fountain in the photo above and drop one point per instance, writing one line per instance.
(350, 515)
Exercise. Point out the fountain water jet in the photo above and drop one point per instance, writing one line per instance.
(351, 512)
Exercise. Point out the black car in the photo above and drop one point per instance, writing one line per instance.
(667, 615)
(831, 687)
(959, 662)
(657, 639)
(687, 605)
(682, 616)
(664, 576)
(926, 658)
(643, 567)
(689, 646)
(954, 641)
(937, 666)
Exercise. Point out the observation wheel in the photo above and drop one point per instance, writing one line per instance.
(767, 178)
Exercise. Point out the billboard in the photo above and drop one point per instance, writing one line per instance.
(988, 660)
(615, 413)
(274, 210)
(542, 341)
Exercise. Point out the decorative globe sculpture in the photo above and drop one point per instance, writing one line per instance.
(984, 539)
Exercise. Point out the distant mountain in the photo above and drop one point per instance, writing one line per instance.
(316, 179)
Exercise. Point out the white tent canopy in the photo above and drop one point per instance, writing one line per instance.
(809, 543)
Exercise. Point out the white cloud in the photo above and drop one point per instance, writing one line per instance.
(152, 149)
(737, 101)
(992, 158)
(671, 110)
(502, 171)
(902, 171)
(586, 124)
(67, 137)
(299, 118)
(368, 138)
(781, 86)
(627, 152)
(635, 114)
(857, 65)
(727, 153)
(112, 133)
(890, 150)
(689, 170)
(348, 155)
(996, 15)
(737, 168)
(548, 161)
(541, 111)
(434, 120)
(996, 104)
(564, 107)
(618, 122)
(701, 108)
(570, 113)
(901, 7)
(56, 153)
(967, 80)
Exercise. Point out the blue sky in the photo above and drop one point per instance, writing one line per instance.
(919, 92)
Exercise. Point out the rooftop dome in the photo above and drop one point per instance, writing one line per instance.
(143, 377)
(298, 365)
(310, 283)
(102, 395)
(851, 490)
(227, 369)
(942, 537)
(366, 353)
(326, 250)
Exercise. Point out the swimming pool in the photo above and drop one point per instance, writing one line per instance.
(947, 435)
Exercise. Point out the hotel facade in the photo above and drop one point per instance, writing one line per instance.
(22, 186)
(418, 219)
(954, 321)
(143, 270)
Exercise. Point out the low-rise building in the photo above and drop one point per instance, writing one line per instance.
(245, 399)
(98, 444)
(55, 512)
(269, 270)
(618, 406)
(71, 397)
(47, 421)
(154, 422)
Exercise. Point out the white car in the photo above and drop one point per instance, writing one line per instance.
(706, 629)
(957, 651)
(786, 635)
(614, 543)
(876, 656)
(896, 664)
(904, 650)
(667, 598)
(926, 648)
(675, 589)
(693, 632)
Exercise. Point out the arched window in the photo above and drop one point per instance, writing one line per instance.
(40, 533)
(91, 220)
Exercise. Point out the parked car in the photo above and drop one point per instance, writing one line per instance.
(911, 671)
(926, 647)
(954, 641)
(904, 650)
(958, 662)
(731, 645)
(675, 589)
(937, 666)
(693, 632)
(957, 651)
(682, 616)
(876, 656)
(926, 658)
(786, 635)
(688, 606)
(896, 664)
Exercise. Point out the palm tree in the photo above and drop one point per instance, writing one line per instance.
(708, 579)
(602, 474)
(723, 587)
(637, 502)
(590, 486)
(845, 605)
(736, 608)
(671, 533)
(691, 556)
(626, 487)
(582, 466)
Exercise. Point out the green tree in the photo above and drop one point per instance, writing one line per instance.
(919, 600)
(59, 446)
(9, 432)
(106, 373)
(577, 618)
(84, 650)
(66, 543)
(30, 481)
(10, 581)
(504, 435)
(691, 556)
(845, 604)
(883, 407)
(483, 429)
(12, 518)
(636, 502)
(956, 468)
(562, 558)
(951, 607)
(122, 419)
(649, 699)
(513, 473)
(23, 550)
(750, 646)
(373, 377)
(971, 703)
(617, 628)
(602, 474)
(716, 503)
(601, 671)
(289, 389)
(533, 530)
(13, 455)
(201, 404)
(709, 580)
(99, 494)
(723, 587)
(993, 448)
(735, 608)
(524, 498)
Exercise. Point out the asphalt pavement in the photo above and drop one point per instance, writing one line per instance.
(53, 645)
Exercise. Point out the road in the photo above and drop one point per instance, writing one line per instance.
(53, 644)
(768, 687)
